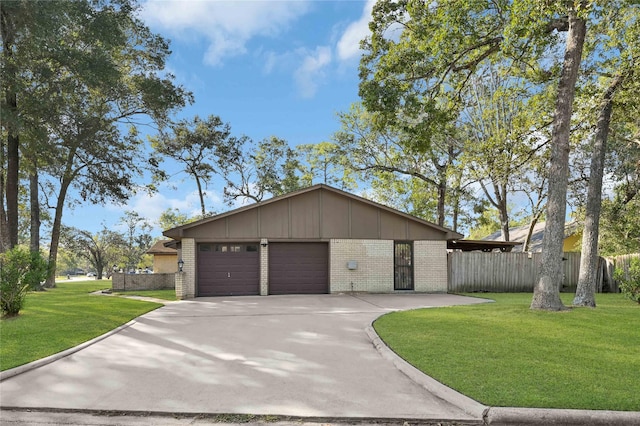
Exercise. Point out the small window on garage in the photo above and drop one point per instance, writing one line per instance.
(235, 249)
(252, 248)
(221, 248)
(205, 247)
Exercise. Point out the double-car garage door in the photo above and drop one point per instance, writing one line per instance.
(234, 269)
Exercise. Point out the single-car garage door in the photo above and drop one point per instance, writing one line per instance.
(298, 268)
(228, 269)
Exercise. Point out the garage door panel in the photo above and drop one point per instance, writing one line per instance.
(298, 268)
(226, 272)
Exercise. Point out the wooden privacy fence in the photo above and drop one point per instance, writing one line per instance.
(504, 272)
(609, 266)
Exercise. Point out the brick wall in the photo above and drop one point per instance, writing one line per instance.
(430, 266)
(264, 267)
(127, 282)
(186, 280)
(374, 272)
(179, 285)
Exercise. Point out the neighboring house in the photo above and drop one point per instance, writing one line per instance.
(165, 259)
(316, 240)
(572, 237)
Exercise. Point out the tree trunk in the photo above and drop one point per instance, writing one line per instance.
(10, 117)
(503, 210)
(204, 211)
(546, 293)
(67, 178)
(532, 225)
(499, 201)
(442, 194)
(456, 211)
(586, 291)
(35, 211)
(13, 166)
(99, 272)
(55, 232)
(99, 264)
(4, 230)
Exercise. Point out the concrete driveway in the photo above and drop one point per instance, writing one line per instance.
(284, 355)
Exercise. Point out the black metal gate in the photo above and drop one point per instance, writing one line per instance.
(403, 266)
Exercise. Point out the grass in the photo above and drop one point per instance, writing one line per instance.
(169, 294)
(503, 354)
(60, 318)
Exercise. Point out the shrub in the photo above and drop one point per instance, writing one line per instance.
(37, 272)
(16, 276)
(630, 280)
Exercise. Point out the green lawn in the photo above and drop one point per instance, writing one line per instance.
(158, 294)
(504, 354)
(60, 318)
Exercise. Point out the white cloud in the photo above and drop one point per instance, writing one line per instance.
(348, 46)
(226, 25)
(310, 73)
(151, 206)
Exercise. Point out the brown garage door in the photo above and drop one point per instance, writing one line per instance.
(298, 268)
(228, 269)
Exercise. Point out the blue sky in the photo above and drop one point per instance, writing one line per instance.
(281, 68)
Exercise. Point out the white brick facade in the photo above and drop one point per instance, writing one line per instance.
(186, 280)
(430, 266)
(374, 272)
(264, 267)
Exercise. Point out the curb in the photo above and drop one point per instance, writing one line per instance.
(470, 406)
(51, 358)
(505, 416)
(240, 418)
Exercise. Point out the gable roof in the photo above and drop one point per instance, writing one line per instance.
(519, 234)
(160, 248)
(179, 232)
(482, 245)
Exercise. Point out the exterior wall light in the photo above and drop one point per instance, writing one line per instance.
(180, 265)
(264, 244)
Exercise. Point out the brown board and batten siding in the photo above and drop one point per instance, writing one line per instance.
(317, 215)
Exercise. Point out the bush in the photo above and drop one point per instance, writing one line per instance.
(630, 280)
(16, 276)
(38, 271)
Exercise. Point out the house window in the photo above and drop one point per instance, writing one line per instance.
(403, 265)
(230, 248)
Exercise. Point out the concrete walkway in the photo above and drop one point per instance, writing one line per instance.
(279, 355)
